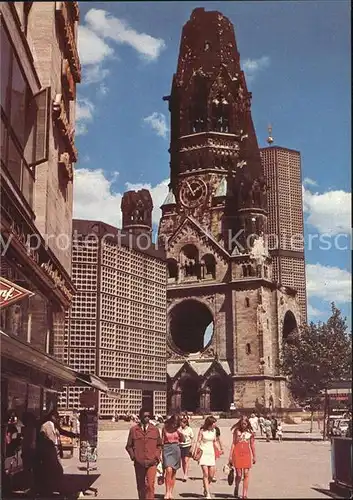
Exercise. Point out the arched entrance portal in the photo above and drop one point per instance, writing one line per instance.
(290, 327)
(190, 396)
(218, 394)
(190, 326)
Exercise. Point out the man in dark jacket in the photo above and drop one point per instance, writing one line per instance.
(144, 446)
(49, 471)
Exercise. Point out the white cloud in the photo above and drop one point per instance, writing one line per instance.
(313, 312)
(329, 283)
(328, 212)
(93, 74)
(95, 198)
(84, 115)
(252, 66)
(158, 123)
(309, 182)
(108, 26)
(92, 49)
(103, 89)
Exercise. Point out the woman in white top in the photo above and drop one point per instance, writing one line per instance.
(185, 447)
(206, 441)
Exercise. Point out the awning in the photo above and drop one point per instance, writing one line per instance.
(97, 383)
(91, 381)
(22, 352)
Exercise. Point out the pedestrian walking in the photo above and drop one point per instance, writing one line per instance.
(185, 447)
(262, 424)
(254, 422)
(218, 449)
(172, 438)
(267, 428)
(273, 427)
(49, 473)
(205, 446)
(242, 454)
(279, 431)
(144, 446)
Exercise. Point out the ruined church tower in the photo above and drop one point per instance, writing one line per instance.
(226, 317)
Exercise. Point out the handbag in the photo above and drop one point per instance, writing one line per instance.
(230, 478)
(197, 454)
(160, 473)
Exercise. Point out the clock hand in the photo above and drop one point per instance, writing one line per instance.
(190, 188)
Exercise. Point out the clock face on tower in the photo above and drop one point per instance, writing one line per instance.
(192, 192)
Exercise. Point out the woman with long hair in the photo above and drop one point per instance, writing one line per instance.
(206, 440)
(185, 447)
(171, 437)
(242, 453)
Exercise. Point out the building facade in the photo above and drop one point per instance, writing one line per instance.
(116, 326)
(39, 72)
(283, 173)
(227, 316)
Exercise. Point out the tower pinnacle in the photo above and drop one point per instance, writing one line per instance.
(270, 139)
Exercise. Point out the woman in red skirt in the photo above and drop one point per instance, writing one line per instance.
(242, 453)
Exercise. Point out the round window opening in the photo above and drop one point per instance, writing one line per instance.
(191, 326)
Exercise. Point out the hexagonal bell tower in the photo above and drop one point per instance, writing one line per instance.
(136, 208)
(223, 320)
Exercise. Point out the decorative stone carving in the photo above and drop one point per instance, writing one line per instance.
(210, 299)
(64, 161)
(67, 31)
(64, 127)
(208, 353)
(68, 80)
(259, 251)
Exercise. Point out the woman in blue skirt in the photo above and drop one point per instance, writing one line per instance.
(171, 437)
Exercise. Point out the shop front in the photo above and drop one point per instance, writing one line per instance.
(31, 377)
(30, 382)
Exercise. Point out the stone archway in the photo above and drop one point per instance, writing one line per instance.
(290, 327)
(190, 395)
(219, 394)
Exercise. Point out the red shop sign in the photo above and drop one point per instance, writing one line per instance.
(11, 293)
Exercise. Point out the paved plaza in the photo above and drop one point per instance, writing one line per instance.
(299, 467)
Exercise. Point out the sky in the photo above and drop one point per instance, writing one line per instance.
(296, 58)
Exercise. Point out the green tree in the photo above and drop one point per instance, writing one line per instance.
(316, 355)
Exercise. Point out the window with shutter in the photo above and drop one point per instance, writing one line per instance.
(38, 128)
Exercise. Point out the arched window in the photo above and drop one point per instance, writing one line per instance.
(220, 114)
(172, 268)
(247, 301)
(190, 261)
(245, 271)
(209, 265)
(198, 110)
(248, 348)
(290, 327)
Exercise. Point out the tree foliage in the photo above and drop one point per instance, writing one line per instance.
(316, 355)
